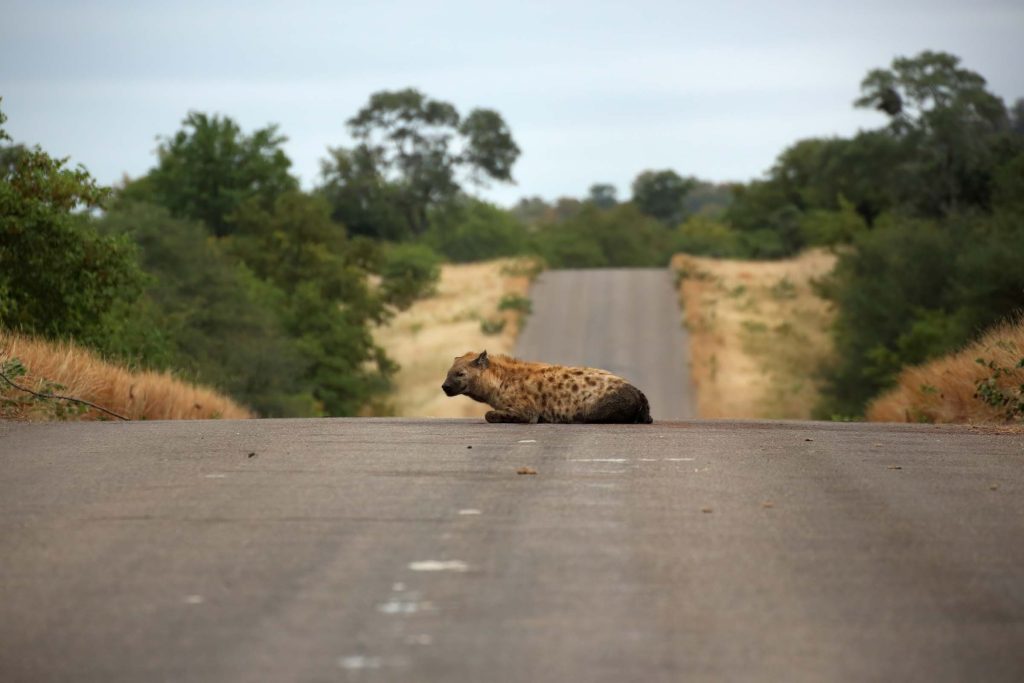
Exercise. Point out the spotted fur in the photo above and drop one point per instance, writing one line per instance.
(519, 391)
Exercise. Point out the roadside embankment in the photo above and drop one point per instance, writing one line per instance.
(982, 383)
(758, 333)
(63, 368)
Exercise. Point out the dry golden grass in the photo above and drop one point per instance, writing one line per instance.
(943, 390)
(137, 395)
(757, 333)
(425, 338)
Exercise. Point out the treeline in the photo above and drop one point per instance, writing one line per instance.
(927, 215)
(217, 265)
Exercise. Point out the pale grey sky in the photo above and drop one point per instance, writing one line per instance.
(593, 91)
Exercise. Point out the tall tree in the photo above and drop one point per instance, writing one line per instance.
(328, 306)
(602, 195)
(416, 152)
(662, 195)
(210, 167)
(58, 276)
(947, 116)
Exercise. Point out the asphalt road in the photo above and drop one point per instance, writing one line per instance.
(334, 550)
(625, 320)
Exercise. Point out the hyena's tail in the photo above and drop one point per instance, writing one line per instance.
(643, 413)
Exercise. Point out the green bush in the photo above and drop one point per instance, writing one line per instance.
(822, 228)
(622, 236)
(217, 322)
(492, 326)
(705, 236)
(515, 302)
(911, 290)
(59, 277)
(472, 230)
(409, 272)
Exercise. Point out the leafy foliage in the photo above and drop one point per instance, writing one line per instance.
(989, 390)
(472, 230)
(410, 272)
(209, 168)
(296, 247)
(410, 155)
(618, 237)
(662, 194)
(58, 276)
(215, 321)
(708, 237)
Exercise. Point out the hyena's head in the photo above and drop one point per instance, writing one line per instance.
(464, 373)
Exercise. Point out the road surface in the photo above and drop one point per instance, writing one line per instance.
(402, 550)
(625, 320)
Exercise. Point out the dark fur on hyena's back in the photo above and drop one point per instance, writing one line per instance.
(624, 404)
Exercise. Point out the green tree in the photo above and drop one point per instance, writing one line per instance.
(206, 316)
(58, 276)
(361, 198)
(946, 114)
(708, 199)
(409, 272)
(602, 195)
(210, 167)
(473, 230)
(662, 194)
(328, 308)
(622, 236)
(422, 147)
(896, 274)
(705, 236)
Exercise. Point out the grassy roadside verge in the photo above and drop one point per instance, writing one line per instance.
(982, 383)
(73, 371)
(757, 333)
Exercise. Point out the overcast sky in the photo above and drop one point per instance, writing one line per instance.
(593, 91)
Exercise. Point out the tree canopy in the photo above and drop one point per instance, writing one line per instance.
(662, 195)
(413, 154)
(210, 167)
(59, 277)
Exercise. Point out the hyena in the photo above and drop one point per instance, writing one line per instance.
(519, 391)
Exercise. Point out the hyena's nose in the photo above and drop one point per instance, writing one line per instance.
(446, 388)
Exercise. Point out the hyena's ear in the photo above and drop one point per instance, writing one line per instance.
(481, 360)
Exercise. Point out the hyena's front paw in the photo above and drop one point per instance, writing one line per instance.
(502, 416)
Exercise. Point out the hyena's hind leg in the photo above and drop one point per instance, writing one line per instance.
(626, 404)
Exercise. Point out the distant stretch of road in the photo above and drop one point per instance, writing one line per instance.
(404, 550)
(625, 320)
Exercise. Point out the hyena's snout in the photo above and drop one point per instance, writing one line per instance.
(449, 389)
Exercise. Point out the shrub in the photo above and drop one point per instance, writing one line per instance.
(472, 230)
(619, 237)
(58, 276)
(705, 236)
(515, 302)
(409, 272)
(493, 326)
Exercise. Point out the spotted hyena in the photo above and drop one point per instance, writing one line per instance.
(537, 392)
